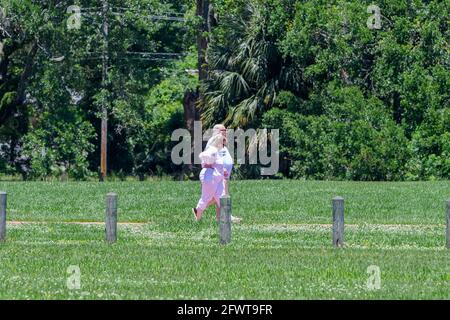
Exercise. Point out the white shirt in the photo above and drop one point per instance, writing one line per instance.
(225, 156)
(209, 156)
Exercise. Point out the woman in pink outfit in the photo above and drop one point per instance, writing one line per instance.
(211, 176)
(224, 154)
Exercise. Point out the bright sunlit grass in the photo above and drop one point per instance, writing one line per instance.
(281, 250)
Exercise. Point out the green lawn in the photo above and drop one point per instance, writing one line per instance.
(281, 250)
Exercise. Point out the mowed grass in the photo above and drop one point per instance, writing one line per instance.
(281, 250)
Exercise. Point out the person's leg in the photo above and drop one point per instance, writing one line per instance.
(217, 212)
(208, 191)
(217, 208)
(225, 187)
(223, 191)
(210, 203)
(207, 206)
(219, 193)
(205, 180)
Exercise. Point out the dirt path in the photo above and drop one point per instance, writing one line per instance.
(14, 223)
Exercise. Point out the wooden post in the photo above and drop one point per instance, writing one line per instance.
(338, 221)
(2, 216)
(448, 224)
(225, 220)
(104, 122)
(111, 217)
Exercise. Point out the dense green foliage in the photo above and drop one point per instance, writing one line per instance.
(54, 128)
(351, 101)
(355, 139)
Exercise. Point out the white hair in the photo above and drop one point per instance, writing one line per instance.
(217, 127)
(217, 140)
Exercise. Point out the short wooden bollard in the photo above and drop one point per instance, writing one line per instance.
(2, 216)
(338, 221)
(225, 220)
(448, 224)
(111, 217)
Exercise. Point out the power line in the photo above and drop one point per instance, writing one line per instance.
(168, 15)
(158, 53)
(163, 54)
(139, 10)
(104, 12)
(154, 17)
(131, 58)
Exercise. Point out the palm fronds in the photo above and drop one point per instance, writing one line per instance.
(246, 73)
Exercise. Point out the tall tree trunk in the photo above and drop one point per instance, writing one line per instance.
(191, 113)
(22, 87)
(4, 62)
(203, 8)
(9, 110)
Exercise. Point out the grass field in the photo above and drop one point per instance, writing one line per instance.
(281, 250)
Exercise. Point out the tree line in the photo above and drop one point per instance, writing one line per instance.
(358, 91)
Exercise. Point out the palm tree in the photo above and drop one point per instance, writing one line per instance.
(246, 72)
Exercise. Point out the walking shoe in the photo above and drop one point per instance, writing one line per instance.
(194, 211)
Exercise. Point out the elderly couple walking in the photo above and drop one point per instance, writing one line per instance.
(217, 165)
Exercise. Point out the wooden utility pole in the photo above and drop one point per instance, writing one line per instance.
(104, 129)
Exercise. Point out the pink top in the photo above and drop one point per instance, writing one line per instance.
(211, 160)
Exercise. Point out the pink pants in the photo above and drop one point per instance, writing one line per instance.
(212, 188)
